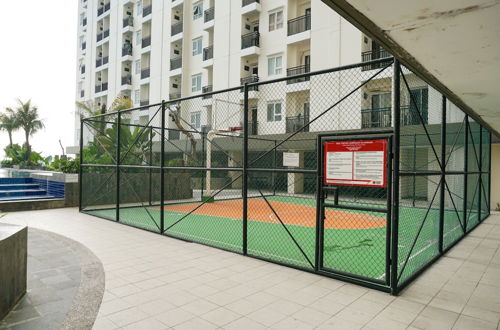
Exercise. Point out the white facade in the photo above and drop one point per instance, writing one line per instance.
(134, 47)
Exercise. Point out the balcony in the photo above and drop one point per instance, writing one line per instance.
(176, 63)
(174, 96)
(250, 6)
(127, 80)
(146, 42)
(207, 89)
(248, 80)
(299, 24)
(209, 15)
(101, 10)
(84, 22)
(208, 53)
(128, 21)
(147, 10)
(82, 69)
(297, 123)
(296, 71)
(145, 73)
(176, 28)
(84, 45)
(82, 93)
(374, 55)
(382, 117)
(177, 3)
(143, 103)
(101, 88)
(101, 61)
(250, 44)
(127, 50)
(102, 35)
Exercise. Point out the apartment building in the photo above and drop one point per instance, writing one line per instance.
(153, 50)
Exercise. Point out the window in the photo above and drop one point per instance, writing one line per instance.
(274, 111)
(196, 120)
(137, 96)
(137, 66)
(139, 8)
(197, 10)
(138, 37)
(276, 20)
(197, 46)
(196, 83)
(274, 65)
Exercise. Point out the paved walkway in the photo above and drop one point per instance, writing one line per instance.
(155, 282)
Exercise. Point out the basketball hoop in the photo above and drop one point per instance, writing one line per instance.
(235, 128)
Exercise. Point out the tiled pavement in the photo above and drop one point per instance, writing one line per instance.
(155, 282)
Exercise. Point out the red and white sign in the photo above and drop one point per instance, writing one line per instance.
(356, 163)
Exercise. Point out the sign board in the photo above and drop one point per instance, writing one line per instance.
(356, 163)
(291, 159)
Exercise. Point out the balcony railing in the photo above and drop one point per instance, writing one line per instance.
(176, 63)
(248, 2)
(145, 73)
(146, 41)
(105, 34)
(143, 103)
(82, 93)
(127, 80)
(128, 21)
(127, 50)
(99, 36)
(107, 6)
(208, 52)
(207, 89)
(100, 11)
(101, 88)
(84, 45)
(297, 123)
(250, 79)
(382, 117)
(147, 10)
(374, 55)
(84, 21)
(101, 61)
(176, 28)
(82, 69)
(250, 39)
(299, 24)
(209, 14)
(296, 71)
(174, 96)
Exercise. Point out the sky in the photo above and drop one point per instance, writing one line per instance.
(38, 46)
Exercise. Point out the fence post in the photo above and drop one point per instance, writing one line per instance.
(396, 95)
(162, 170)
(480, 170)
(466, 166)
(245, 169)
(118, 138)
(80, 170)
(414, 168)
(203, 164)
(443, 175)
(150, 165)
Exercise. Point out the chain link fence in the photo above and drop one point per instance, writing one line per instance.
(241, 170)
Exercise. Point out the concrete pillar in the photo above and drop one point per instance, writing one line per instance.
(296, 180)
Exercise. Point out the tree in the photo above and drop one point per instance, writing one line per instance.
(175, 114)
(90, 108)
(28, 119)
(8, 123)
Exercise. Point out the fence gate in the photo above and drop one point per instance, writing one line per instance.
(354, 206)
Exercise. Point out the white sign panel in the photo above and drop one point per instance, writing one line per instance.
(291, 159)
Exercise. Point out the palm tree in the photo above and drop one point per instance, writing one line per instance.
(90, 108)
(8, 122)
(28, 119)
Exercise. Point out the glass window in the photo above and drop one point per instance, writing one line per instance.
(196, 83)
(139, 8)
(274, 111)
(276, 20)
(137, 66)
(138, 37)
(274, 65)
(197, 10)
(137, 96)
(196, 120)
(197, 48)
